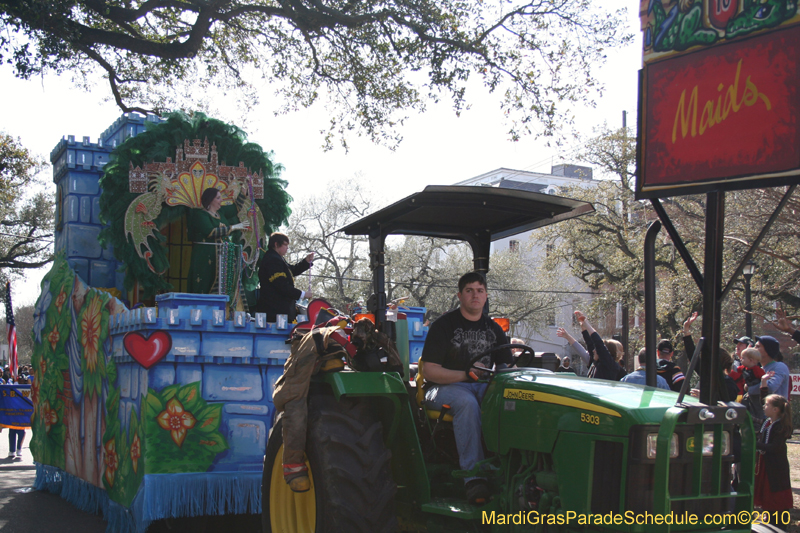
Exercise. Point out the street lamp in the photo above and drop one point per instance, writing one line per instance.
(748, 270)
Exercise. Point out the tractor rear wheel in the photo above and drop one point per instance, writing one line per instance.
(349, 466)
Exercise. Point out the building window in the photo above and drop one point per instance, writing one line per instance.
(550, 318)
(548, 249)
(513, 246)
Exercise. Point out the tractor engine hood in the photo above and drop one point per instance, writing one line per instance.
(528, 408)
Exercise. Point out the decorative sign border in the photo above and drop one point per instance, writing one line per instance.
(726, 117)
(677, 27)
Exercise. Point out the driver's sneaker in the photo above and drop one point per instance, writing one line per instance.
(478, 491)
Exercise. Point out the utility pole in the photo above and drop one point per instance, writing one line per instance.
(748, 271)
(630, 363)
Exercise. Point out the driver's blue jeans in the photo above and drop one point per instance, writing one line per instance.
(464, 400)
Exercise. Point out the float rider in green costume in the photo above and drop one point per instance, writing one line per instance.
(208, 225)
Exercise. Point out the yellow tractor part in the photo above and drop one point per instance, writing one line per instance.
(290, 512)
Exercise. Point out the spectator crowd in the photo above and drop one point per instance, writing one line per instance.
(16, 436)
(754, 375)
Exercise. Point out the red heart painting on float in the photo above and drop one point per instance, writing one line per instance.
(149, 351)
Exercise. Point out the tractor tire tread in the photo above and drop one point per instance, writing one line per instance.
(358, 487)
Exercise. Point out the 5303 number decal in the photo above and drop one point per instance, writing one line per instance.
(590, 419)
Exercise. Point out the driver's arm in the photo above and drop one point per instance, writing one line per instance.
(443, 376)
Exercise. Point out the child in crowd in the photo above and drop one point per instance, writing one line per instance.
(773, 490)
(749, 372)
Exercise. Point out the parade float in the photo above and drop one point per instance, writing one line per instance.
(150, 402)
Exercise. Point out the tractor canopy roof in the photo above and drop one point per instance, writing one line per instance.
(466, 212)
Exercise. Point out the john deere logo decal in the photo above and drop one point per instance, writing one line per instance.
(556, 399)
(519, 394)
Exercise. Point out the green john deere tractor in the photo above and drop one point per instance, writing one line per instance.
(565, 453)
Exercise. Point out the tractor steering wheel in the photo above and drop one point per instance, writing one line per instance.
(491, 351)
(524, 358)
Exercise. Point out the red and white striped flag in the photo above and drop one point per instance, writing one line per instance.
(11, 330)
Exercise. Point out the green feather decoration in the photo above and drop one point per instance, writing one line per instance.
(157, 143)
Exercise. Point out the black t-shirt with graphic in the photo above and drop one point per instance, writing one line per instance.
(453, 340)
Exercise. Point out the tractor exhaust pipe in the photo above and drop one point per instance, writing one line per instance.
(650, 301)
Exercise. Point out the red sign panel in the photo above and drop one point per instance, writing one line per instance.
(728, 114)
(795, 384)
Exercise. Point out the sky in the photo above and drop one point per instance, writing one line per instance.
(438, 148)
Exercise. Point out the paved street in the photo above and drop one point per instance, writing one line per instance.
(24, 510)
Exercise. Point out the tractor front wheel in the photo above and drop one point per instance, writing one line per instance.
(349, 466)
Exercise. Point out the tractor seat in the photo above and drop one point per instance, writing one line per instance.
(419, 380)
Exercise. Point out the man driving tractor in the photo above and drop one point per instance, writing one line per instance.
(454, 339)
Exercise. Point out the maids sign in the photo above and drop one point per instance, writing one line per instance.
(718, 97)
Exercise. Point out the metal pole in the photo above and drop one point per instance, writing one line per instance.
(748, 307)
(630, 364)
(678, 243)
(712, 291)
(377, 265)
(626, 334)
(481, 246)
(650, 301)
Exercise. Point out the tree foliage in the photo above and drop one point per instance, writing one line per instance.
(777, 276)
(26, 210)
(341, 262)
(427, 270)
(369, 58)
(526, 293)
(424, 270)
(606, 249)
(23, 318)
(157, 143)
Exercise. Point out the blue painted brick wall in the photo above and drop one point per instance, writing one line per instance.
(236, 364)
(77, 167)
(243, 383)
(82, 241)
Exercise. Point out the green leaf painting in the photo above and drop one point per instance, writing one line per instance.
(182, 430)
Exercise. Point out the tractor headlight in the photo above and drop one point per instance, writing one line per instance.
(708, 443)
(652, 441)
